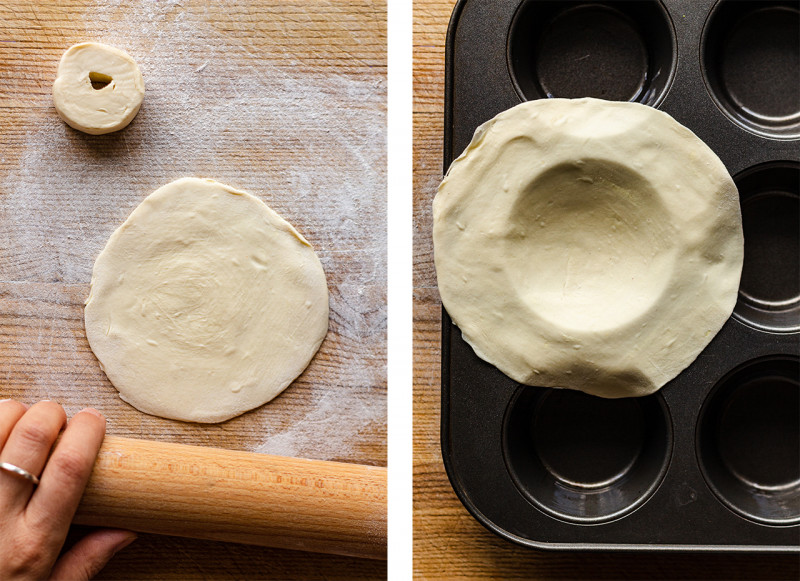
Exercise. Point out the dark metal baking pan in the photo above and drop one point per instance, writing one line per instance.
(712, 461)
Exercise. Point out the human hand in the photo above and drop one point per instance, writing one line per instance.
(34, 520)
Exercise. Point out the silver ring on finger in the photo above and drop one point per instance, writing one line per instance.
(14, 469)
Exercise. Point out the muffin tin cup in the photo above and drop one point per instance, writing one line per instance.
(769, 292)
(622, 51)
(711, 461)
(583, 459)
(747, 440)
(751, 64)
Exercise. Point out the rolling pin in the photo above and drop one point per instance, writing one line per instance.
(207, 493)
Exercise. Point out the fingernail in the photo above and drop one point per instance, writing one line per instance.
(124, 543)
(94, 412)
(26, 406)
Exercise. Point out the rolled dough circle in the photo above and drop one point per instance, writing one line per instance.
(205, 303)
(97, 110)
(588, 244)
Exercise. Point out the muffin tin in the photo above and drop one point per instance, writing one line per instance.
(712, 461)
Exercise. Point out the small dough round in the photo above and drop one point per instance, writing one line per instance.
(103, 110)
(588, 244)
(205, 303)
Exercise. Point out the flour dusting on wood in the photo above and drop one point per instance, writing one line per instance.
(226, 102)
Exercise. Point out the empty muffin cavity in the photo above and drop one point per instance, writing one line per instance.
(751, 64)
(618, 51)
(748, 440)
(769, 292)
(586, 459)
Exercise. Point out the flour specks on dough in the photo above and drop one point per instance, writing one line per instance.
(230, 104)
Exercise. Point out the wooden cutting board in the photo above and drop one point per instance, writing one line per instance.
(448, 542)
(283, 99)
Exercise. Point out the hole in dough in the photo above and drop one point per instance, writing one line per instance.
(99, 80)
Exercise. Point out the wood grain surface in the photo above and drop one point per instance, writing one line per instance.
(448, 542)
(284, 99)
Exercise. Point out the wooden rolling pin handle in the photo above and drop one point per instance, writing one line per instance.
(207, 493)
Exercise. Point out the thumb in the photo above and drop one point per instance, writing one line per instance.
(88, 556)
